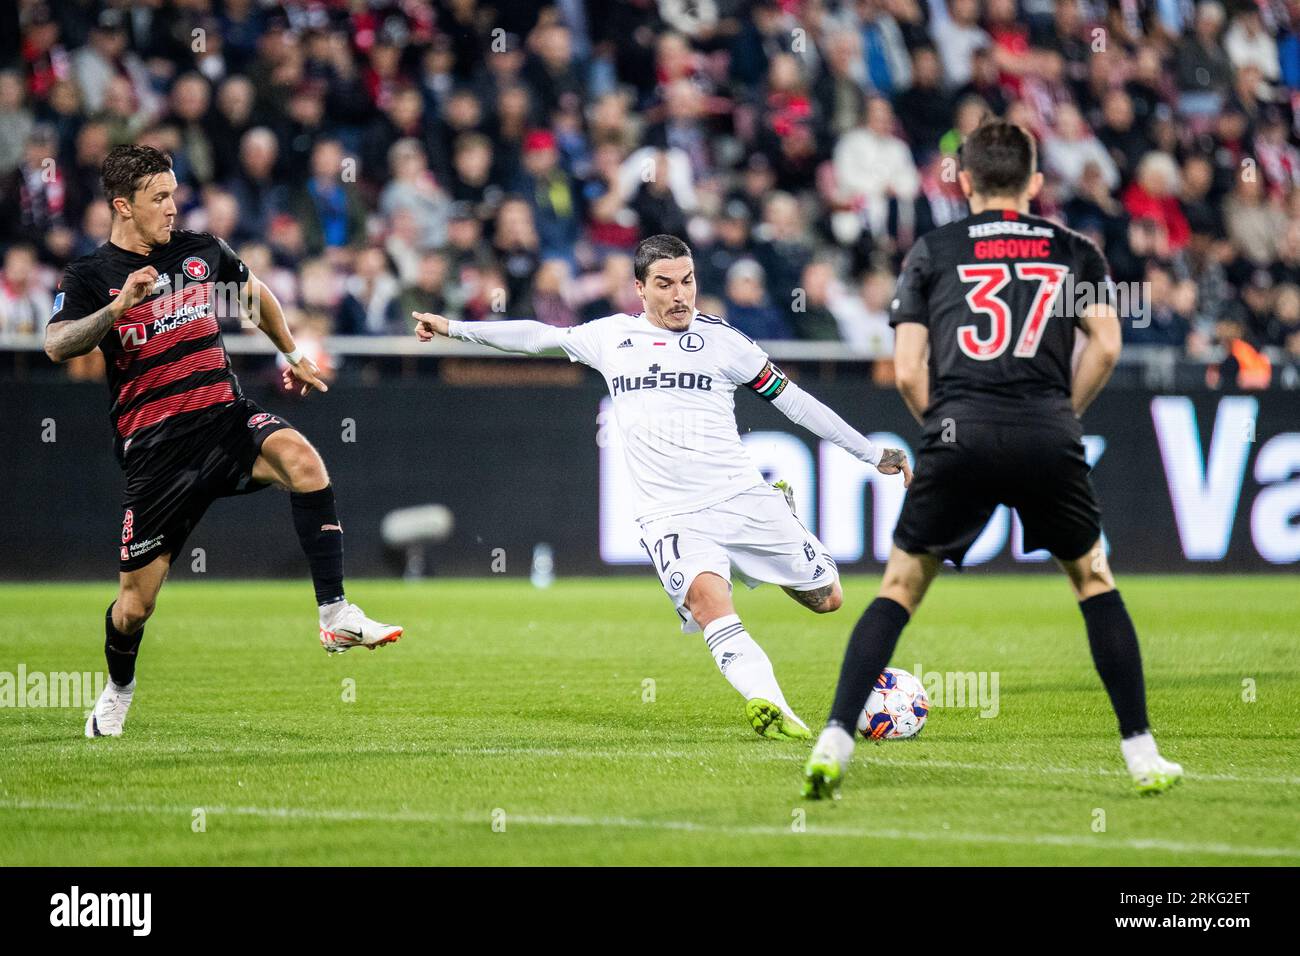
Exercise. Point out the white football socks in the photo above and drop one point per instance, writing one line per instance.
(836, 742)
(743, 662)
(1139, 751)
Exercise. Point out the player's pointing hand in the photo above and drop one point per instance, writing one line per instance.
(428, 326)
(894, 460)
(307, 373)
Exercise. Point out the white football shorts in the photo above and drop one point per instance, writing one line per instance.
(753, 534)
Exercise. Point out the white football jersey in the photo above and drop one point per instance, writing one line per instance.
(674, 405)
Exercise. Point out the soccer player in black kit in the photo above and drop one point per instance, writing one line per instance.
(982, 359)
(150, 299)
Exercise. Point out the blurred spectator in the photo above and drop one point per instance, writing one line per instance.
(253, 185)
(231, 120)
(550, 192)
(1284, 322)
(1153, 195)
(1245, 367)
(811, 312)
(518, 250)
(730, 243)
(327, 205)
(1204, 72)
(1255, 224)
(925, 109)
(24, 302)
(36, 191)
(782, 249)
(413, 189)
(863, 313)
(1071, 147)
(15, 121)
(840, 85)
(873, 166)
(1247, 43)
(104, 57)
(613, 290)
(197, 162)
(747, 306)
(369, 303)
(462, 147)
(432, 290)
(551, 292)
(957, 37)
(1121, 135)
(654, 201)
(1161, 323)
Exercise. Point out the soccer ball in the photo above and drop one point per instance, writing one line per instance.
(897, 707)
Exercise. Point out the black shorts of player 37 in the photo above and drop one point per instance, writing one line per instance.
(170, 488)
(1036, 466)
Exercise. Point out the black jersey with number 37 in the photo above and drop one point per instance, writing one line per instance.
(992, 290)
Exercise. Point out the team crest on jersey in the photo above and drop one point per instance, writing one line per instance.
(691, 342)
(133, 335)
(262, 418)
(195, 268)
(676, 581)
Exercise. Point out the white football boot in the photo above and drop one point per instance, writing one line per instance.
(1151, 772)
(348, 627)
(1155, 775)
(109, 715)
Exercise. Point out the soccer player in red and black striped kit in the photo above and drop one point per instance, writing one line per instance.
(150, 299)
(982, 358)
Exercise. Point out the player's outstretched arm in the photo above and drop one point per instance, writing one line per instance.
(510, 335)
(802, 409)
(1097, 360)
(264, 311)
(69, 338)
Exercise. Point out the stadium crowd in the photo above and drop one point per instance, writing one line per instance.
(368, 158)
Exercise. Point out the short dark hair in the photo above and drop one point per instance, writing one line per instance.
(1000, 158)
(654, 248)
(125, 167)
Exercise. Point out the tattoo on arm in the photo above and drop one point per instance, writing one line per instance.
(65, 340)
(892, 457)
(815, 598)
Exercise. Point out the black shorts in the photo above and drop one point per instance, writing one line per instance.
(1035, 466)
(175, 481)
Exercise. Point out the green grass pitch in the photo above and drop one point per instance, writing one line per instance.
(516, 726)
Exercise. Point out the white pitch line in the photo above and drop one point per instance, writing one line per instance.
(764, 756)
(681, 826)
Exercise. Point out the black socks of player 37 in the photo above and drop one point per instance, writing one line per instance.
(120, 650)
(317, 523)
(870, 647)
(1115, 651)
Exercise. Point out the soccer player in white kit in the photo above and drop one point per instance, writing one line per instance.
(703, 507)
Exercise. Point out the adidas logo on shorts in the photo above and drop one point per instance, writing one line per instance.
(818, 572)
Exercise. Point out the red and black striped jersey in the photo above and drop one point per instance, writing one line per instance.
(168, 372)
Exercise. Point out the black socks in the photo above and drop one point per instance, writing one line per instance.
(317, 523)
(870, 647)
(120, 650)
(1114, 646)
